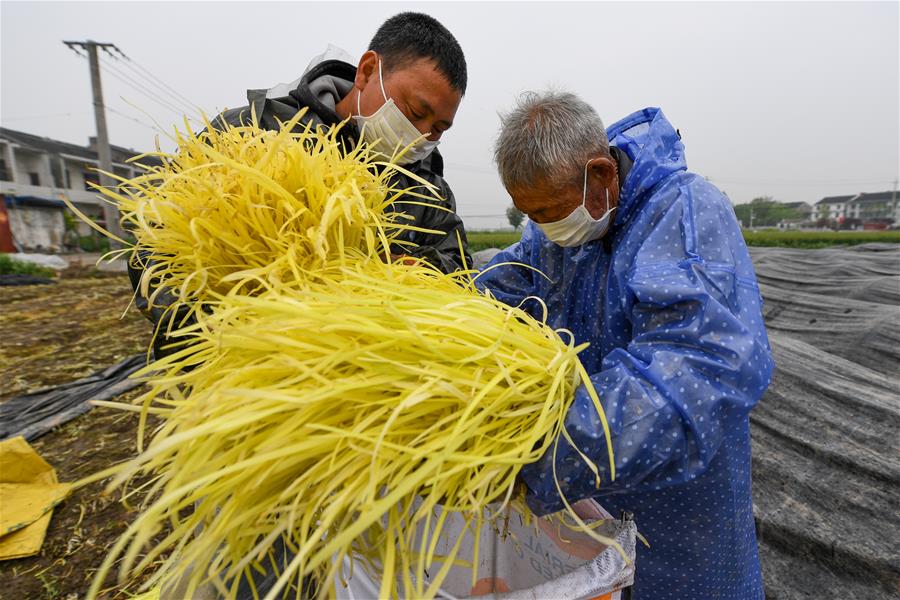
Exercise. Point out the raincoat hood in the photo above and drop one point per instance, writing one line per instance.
(655, 148)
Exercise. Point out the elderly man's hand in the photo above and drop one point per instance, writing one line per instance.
(403, 259)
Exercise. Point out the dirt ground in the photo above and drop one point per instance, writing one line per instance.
(51, 334)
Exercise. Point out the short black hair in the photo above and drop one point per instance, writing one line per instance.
(409, 36)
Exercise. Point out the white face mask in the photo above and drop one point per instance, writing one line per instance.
(578, 227)
(388, 131)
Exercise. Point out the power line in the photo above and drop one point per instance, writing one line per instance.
(173, 99)
(138, 78)
(74, 48)
(798, 183)
(134, 66)
(130, 118)
(141, 89)
(49, 116)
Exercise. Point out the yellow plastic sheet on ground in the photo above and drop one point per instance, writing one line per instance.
(28, 492)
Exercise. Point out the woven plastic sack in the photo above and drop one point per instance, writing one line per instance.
(523, 562)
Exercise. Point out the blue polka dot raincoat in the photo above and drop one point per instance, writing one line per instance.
(669, 302)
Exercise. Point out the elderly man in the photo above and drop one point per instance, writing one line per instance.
(645, 261)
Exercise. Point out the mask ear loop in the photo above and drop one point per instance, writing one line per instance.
(381, 82)
(584, 187)
(383, 93)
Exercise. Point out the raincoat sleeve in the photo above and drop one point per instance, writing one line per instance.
(695, 356)
(504, 279)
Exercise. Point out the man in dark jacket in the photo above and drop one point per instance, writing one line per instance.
(415, 71)
(407, 85)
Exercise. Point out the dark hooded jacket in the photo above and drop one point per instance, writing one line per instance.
(319, 90)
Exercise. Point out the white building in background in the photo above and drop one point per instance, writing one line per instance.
(875, 206)
(36, 174)
(867, 210)
(833, 208)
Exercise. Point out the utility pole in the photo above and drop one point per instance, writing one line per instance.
(894, 200)
(110, 212)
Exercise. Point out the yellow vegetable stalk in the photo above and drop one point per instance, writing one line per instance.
(328, 397)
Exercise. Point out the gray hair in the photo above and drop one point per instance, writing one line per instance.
(548, 137)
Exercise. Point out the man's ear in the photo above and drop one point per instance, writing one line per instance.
(604, 170)
(366, 70)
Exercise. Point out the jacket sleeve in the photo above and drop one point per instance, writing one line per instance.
(697, 358)
(442, 250)
(160, 310)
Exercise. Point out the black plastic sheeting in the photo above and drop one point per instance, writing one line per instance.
(17, 279)
(34, 414)
(826, 435)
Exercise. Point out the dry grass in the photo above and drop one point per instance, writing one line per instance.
(53, 334)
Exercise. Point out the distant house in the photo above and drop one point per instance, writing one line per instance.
(877, 207)
(36, 174)
(868, 210)
(833, 208)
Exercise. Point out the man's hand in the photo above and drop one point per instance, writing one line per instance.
(404, 259)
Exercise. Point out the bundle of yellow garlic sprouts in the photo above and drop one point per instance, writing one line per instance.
(328, 398)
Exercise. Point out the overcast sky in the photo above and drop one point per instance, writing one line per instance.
(793, 100)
